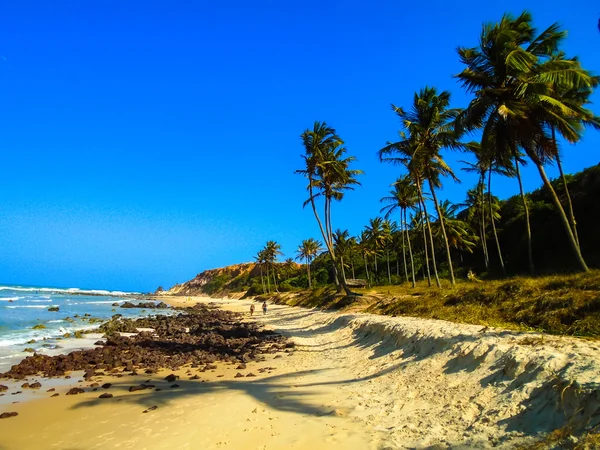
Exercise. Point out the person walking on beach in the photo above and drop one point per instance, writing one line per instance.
(264, 307)
(251, 309)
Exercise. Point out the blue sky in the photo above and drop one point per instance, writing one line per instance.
(143, 142)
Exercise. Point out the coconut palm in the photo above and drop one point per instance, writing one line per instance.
(402, 197)
(308, 251)
(459, 235)
(329, 176)
(517, 82)
(270, 253)
(430, 127)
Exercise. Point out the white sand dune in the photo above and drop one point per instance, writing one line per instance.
(417, 383)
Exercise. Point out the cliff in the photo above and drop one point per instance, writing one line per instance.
(223, 280)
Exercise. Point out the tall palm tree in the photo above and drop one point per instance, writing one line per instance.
(308, 251)
(430, 127)
(517, 82)
(329, 176)
(459, 235)
(402, 197)
(377, 239)
(271, 251)
(260, 260)
(364, 244)
(342, 243)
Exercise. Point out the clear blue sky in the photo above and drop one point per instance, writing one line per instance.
(145, 141)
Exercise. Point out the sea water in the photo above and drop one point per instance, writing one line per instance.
(24, 307)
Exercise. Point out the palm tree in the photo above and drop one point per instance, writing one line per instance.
(329, 176)
(430, 128)
(260, 260)
(459, 235)
(377, 239)
(518, 82)
(342, 243)
(388, 229)
(402, 197)
(308, 251)
(271, 251)
(364, 244)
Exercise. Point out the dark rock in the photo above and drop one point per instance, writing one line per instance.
(174, 385)
(195, 377)
(99, 343)
(3, 388)
(25, 385)
(152, 408)
(238, 375)
(51, 390)
(94, 385)
(171, 378)
(55, 395)
(54, 309)
(35, 385)
(75, 391)
(136, 388)
(250, 375)
(105, 395)
(241, 366)
(106, 385)
(6, 415)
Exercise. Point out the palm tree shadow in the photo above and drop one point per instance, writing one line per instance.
(279, 392)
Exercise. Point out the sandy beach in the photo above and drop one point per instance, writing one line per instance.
(355, 381)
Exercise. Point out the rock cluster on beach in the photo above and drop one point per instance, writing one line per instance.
(145, 305)
(199, 336)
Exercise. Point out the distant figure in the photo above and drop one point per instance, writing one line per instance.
(264, 307)
(252, 309)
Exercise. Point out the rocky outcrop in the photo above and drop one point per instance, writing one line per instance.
(228, 274)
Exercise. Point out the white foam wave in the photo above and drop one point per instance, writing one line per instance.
(27, 306)
(67, 291)
(56, 321)
(39, 301)
(98, 303)
(10, 299)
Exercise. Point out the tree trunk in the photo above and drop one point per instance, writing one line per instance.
(563, 217)
(308, 272)
(343, 270)
(433, 263)
(367, 269)
(486, 255)
(494, 223)
(387, 251)
(268, 279)
(568, 195)
(441, 219)
(528, 226)
(425, 243)
(403, 229)
(412, 263)
(352, 265)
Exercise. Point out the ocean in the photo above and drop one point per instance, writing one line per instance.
(24, 307)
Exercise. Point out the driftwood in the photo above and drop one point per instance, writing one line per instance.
(356, 282)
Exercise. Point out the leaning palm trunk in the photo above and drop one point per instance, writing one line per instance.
(403, 211)
(528, 226)
(486, 255)
(387, 251)
(343, 270)
(563, 217)
(308, 272)
(494, 222)
(448, 254)
(325, 236)
(433, 263)
(567, 194)
(425, 244)
(412, 263)
(367, 269)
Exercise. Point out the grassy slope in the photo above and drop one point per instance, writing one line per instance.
(558, 304)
